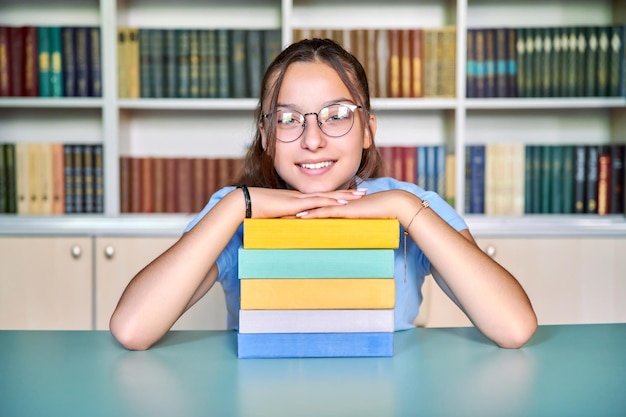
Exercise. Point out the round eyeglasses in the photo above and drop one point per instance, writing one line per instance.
(335, 120)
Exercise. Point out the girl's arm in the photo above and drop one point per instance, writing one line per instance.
(161, 292)
(490, 296)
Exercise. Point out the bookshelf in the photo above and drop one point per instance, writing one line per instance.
(222, 127)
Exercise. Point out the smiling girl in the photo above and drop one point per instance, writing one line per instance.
(314, 156)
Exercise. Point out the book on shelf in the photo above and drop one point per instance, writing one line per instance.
(604, 180)
(303, 345)
(337, 233)
(316, 321)
(616, 190)
(194, 63)
(5, 62)
(316, 263)
(317, 293)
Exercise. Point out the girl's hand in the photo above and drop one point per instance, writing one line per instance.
(390, 204)
(269, 203)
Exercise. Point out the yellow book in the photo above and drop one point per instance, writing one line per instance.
(35, 186)
(22, 182)
(45, 178)
(321, 233)
(317, 294)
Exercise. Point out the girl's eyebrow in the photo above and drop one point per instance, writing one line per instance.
(326, 103)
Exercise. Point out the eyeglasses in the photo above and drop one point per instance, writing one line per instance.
(335, 120)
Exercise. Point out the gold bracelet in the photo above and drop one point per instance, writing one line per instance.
(425, 204)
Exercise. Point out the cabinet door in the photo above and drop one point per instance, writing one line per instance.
(118, 259)
(568, 280)
(46, 283)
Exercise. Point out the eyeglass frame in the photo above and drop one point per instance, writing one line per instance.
(352, 107)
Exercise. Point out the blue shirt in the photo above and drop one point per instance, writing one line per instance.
(408, 295)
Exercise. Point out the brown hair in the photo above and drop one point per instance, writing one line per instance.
(258, 168)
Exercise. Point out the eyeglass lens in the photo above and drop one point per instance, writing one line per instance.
(335, 120)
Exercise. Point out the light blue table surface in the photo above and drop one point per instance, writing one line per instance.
(574, 370)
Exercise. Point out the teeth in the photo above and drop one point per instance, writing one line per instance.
(317, 165)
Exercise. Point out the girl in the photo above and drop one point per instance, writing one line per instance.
(314, 155)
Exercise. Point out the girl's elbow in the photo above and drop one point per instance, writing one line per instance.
(519, 333)
(127, 335)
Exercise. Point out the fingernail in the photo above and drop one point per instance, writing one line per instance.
(342, 201)
(302, 213)
(358, 192)
(363, 190)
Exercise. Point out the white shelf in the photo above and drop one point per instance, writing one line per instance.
(147, 127)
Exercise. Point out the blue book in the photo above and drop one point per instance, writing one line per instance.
(313, 345)
(477, 179)
(316, 263)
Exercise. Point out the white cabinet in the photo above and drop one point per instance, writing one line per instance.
(568, 280)
(46, 283)
(118, 259)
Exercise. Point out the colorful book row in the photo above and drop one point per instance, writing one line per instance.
(427, 166)
(580, 61)
(415, 62)
(517, 179)
(194, 63)
(50, 61)
(172, 185)
(329, 294)
(51, 178)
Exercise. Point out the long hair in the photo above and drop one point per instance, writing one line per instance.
(258, 168)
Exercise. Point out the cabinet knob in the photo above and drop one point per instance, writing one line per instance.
(490, 251)
(109, 251)
(76, 251)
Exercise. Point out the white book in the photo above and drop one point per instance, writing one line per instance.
(316, 321)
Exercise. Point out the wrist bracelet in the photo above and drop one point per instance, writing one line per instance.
(425, 204)
(246, 196)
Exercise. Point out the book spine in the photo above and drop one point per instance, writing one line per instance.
(568, 179)
(82, 62)
(3, 180)
(56, 62)
(301, 345)
(591, 76)
(17, 52)
(616, 61)
(5, 64)
(78, 172)
(314, 293)
(145, 64)
(194, 63)
(502, 59)
(98, 178)
(69, 61)
(95, 62)
(591, 179)
(170, 76)
(156, 62)
(237, 62)
(134, 80)
(316, 321)
(618, 153)
(604, 180)
(43, 48)
(490, 63)
(318, 263)
(254, 47)
(223, 63)
(68, 165)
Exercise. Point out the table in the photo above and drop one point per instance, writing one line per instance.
(568, 370)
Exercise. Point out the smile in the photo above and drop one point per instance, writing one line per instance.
(317, 165)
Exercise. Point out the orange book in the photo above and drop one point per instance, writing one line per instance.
(417, 63)
(405, 64)
(170, 185)
(158, 185)
(183, 185)
(58, 180)
(198, 184)
(394, 63)
(604, 183)
(135, 185)
(147, 190)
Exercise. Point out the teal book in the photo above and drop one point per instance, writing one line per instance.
(470, 64)
(546, 83)
(254, 61)
(616, 61)
(10, 165)
(56, 61)
(572, 62)
(567, 186)
(591, 61)
(501, 62)
(480, 63)
(564, 62)
(207, 62)
(183, 47)
(529, 63)
(537, 167)
(580, 175)
(602, 66)
(555, 62)
(43, 47)
(546, 179)
(222, 59)
(314, 345)
(170, 66)
(520, 79)
(581, 61)
(156, 59)
(238, 59)
(490, 63)
(194, 63)
(528, 178)
(145, 64)
(556, 178)
(316, 263)
(272, 45)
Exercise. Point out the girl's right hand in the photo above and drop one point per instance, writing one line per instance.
(271, 203)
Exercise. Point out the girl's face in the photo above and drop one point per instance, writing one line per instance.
(316, 162)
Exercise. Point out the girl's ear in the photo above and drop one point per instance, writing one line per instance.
(368, 137)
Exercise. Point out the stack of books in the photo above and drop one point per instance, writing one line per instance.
(317, 287)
